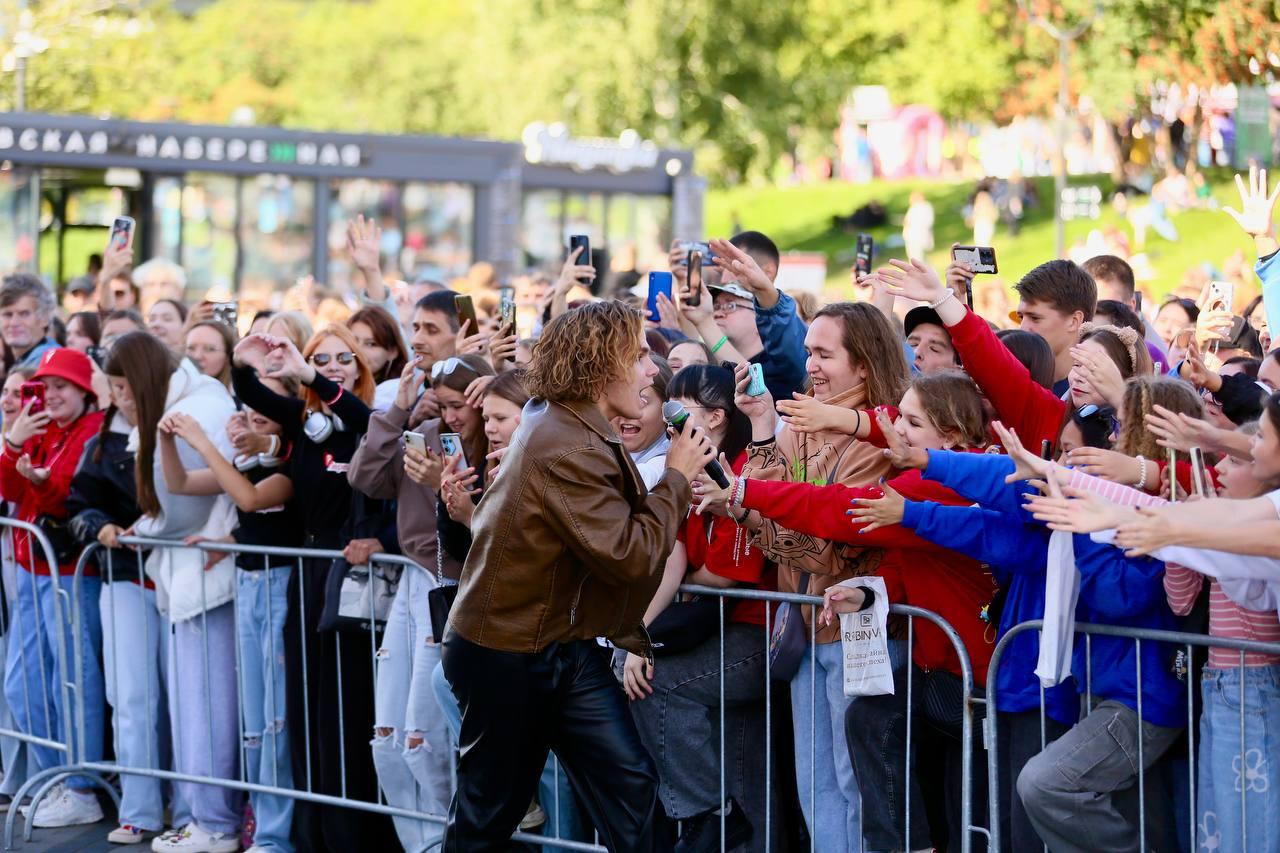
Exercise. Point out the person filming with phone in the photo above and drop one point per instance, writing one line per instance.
(567, 546)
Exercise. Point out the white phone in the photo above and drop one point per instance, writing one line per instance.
(1222, 296)
(416, 440)
(452, 444)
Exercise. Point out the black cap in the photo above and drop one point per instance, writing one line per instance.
(920, 315)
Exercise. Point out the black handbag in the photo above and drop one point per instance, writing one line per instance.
(684, 625)
(58, 531)
(358, 597)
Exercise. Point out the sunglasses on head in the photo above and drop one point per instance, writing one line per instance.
(1091, 410)
(321, 359)
(448, 366)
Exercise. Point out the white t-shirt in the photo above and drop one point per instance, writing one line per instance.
(1274, 497)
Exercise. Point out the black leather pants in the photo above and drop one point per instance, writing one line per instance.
(515, 707)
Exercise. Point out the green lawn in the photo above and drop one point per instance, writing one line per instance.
(799, 219)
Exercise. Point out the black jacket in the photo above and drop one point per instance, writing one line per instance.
(103, 492)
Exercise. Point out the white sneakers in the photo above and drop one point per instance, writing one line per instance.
(127, 834)
(192, 839)
(63, 806)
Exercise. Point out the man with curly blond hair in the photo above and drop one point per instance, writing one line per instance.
(567, 546)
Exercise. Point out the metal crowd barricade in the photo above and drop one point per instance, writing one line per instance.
(1182, 641)
(58, 725)
(304, 788)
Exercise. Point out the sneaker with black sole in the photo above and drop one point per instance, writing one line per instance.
(702, 832)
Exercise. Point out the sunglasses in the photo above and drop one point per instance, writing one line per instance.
(321, 359)
(448, 366)
(1091, 410)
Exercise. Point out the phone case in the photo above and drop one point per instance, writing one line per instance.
(756, 386)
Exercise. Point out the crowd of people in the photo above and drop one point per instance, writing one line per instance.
(968, 466)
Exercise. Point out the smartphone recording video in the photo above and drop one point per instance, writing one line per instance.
(981, 259)
(865, 248)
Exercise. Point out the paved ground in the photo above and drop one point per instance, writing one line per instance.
(76, 839)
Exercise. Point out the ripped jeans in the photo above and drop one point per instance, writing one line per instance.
(417, 777)
(262, 605)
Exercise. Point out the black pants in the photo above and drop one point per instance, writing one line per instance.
(517, 707)
(1019, 738)
(330, 723)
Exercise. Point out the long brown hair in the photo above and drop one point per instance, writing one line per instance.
(146, 364)
(470, 368)
(364, 387)
(386, 334)
(872, 343)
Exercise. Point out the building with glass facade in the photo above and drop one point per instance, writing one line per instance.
(251, 210)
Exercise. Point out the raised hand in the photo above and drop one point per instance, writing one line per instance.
(759, 410)
(27, 425)
(465, 343)
(878, 512)
(411, 381)
(1107, 464)
(364, 242)
(742, 267)
(1101, 374)
(912, 280)
(425, 470)
(899, 453)
(1256, 214)
(806, 414)
(668, 313)
(252, 351)
(1075, 510)
(574, 273)
(1029, 465)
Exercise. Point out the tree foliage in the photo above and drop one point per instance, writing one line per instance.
(741, 82)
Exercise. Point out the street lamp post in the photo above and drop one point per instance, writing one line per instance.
(1064, 39)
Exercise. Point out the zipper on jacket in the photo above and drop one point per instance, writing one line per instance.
(573, 608)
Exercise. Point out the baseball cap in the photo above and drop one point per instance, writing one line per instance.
(733, 289)
(921, 315)
(81, 284)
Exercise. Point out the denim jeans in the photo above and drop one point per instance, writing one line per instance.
(1233, 774)
(1072, 789)
(825, 779)
(13, 752)
(680, 726)
(418, 778)
(262, 603)
(202, 709)
(34, 673)
(134, 652)
(555, 795)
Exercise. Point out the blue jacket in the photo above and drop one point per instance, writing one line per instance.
(783, 359)
(1114, 590)
(1268, 270)
(1003, 535)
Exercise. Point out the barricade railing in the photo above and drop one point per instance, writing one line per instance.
(50, 663)
(1176, 641)
(308, 788)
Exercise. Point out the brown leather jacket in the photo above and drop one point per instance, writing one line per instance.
(566, 544)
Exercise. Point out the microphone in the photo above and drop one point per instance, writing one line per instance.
(676, 415)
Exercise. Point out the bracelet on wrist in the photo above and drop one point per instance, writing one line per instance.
(950, 294)
(1142, 474)
(724, 339)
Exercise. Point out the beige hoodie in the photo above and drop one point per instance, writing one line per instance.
(822, 458)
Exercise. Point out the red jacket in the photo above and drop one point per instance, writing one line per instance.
(59, 450)
(1022, 404)
(915, 571)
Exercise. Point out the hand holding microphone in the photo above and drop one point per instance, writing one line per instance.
(691, 451)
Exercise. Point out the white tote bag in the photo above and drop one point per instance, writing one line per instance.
(864, 640)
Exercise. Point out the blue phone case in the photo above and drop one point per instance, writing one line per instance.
(659, 282)
(756, 386)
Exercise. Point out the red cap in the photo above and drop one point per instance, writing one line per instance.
(68, 364)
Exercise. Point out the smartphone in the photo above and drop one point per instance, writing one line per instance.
(659, 282)
(862, 258)
(33, 391)
(582, 240)
(755, 385)
(452, 444)
(693, 294)
(227, 312)
(1172, 468)
(1183, 338)
(507, 310)
(97, 354)
(1222, 296)
(416, 440)
(122, 232)
(466, 311)
(691, 246)
(981, 259)
(1199, 475)
(1046, 448)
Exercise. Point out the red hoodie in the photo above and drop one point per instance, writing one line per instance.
(59, 450)
(915, 571)
(1022, 404)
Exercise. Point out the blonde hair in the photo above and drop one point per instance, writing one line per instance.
(297, 327)
(1141, 395)
(583, 350)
